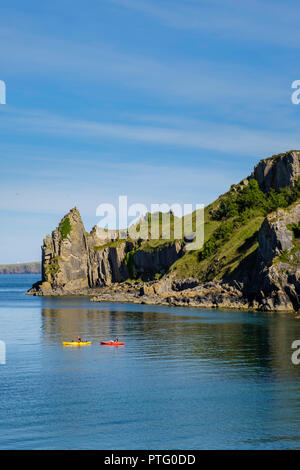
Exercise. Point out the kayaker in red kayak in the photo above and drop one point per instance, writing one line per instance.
(114, 342)
(116, 339)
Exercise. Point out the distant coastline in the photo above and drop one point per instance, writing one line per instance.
(21, 268)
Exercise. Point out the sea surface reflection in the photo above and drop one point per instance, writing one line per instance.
(185, 379)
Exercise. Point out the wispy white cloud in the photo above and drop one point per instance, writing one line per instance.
(178, 81)
(144, 184)
(211, 82)
(255, 20)
(231, 139)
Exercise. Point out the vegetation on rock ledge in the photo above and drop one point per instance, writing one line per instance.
(65, 228)
(53, 267)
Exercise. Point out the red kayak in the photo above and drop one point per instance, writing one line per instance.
(112, 343)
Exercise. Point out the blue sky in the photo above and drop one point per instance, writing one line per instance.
(161, 100)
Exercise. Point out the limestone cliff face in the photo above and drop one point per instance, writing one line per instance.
(157, 261)
(277, 172)
(107, 265)
(65, 254)
(275, 236)
(275, 281)
(75, 261)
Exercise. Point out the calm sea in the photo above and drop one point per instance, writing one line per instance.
(185, 379)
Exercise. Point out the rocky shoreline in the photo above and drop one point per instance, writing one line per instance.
(211, 295)
(173, 292)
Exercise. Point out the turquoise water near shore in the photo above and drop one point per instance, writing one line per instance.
(185, 379)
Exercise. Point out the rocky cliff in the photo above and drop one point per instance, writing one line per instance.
(278, 171)
(250, 258)
(74, 261)
(275, 282)
(65, 258)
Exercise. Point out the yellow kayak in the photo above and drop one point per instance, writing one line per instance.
(76, 343)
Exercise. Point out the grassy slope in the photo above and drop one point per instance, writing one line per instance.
(223, 262)
(242, 242)
(232, 254)
(227, 257)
